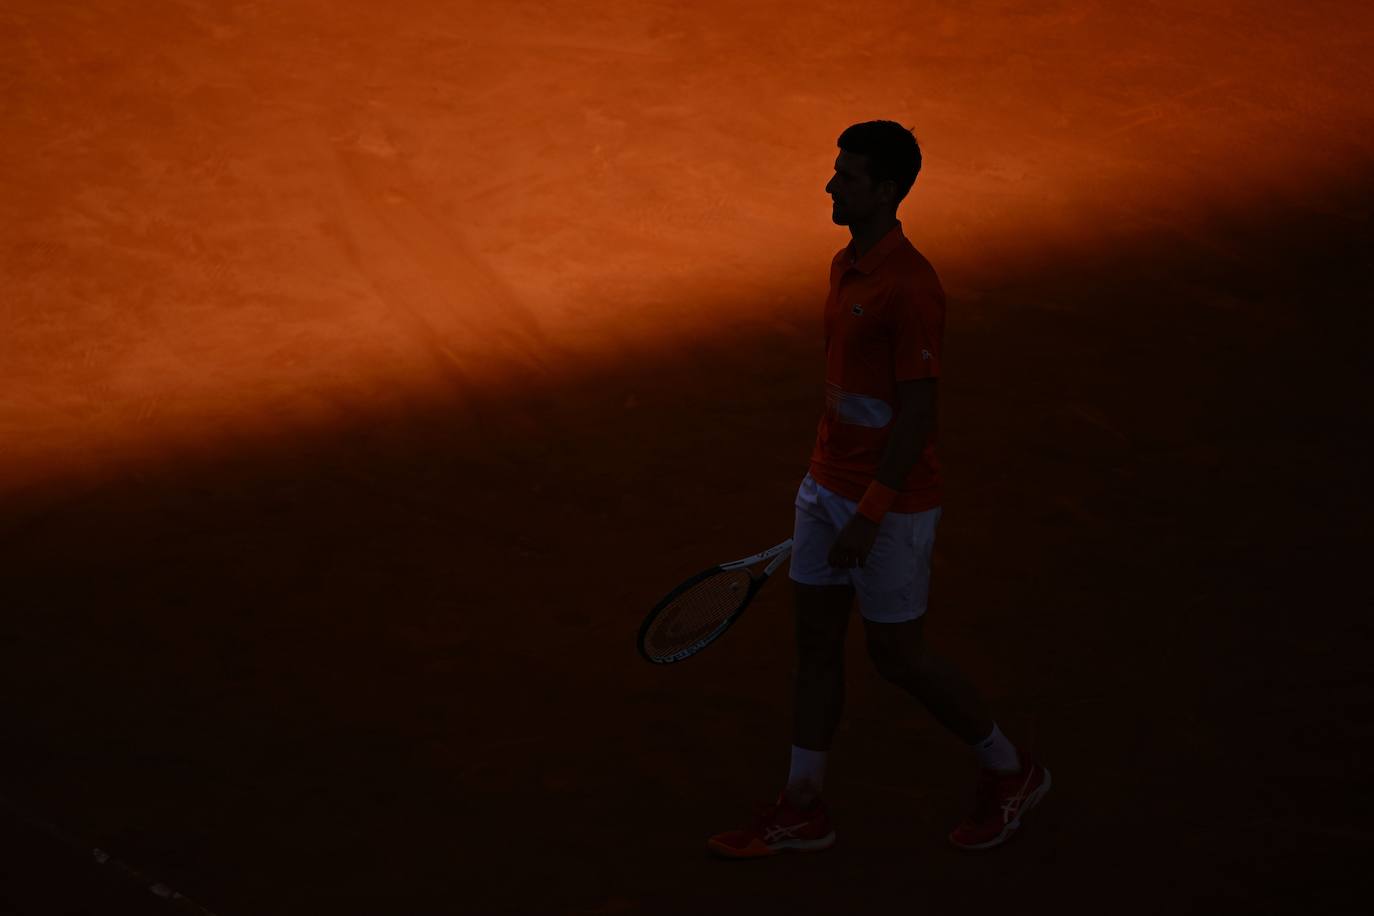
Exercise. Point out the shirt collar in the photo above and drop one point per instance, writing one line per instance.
(870, 261)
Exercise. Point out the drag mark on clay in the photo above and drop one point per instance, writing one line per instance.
(1158, 110)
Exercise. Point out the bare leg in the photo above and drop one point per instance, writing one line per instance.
(901, 656)
(822, 617)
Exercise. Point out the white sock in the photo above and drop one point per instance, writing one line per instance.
(808, 770)
(996, 753)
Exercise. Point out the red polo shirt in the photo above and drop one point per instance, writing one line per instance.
(884, 323)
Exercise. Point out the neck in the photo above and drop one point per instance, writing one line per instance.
(869, 234)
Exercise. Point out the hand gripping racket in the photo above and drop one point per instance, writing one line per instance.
(698, 611)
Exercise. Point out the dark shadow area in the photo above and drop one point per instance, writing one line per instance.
(391, 669)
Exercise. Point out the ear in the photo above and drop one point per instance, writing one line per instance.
(887, 188)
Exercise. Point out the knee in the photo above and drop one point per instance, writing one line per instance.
(895, 661)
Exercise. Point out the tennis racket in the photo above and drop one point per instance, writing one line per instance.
(698, 611)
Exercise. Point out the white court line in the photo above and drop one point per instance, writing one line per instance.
(115, 865)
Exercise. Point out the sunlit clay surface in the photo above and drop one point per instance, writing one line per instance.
(248, 218)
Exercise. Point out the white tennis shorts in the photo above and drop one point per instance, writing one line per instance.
(894, 581)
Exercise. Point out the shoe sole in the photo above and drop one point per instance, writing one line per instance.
(757, 852)
(1031, 801)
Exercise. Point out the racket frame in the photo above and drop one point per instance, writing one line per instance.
(776, 555)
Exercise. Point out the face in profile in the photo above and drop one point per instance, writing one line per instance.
(856, 198)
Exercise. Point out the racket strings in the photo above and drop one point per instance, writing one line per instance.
(697, 611)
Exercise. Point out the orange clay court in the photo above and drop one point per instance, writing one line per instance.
(369, 370)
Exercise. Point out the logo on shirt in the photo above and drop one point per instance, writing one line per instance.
(925, 354)
(857, 309)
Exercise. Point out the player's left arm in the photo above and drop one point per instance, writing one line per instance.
(911, 429)
(916, 323)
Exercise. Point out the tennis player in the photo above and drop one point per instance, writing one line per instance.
(866, 513)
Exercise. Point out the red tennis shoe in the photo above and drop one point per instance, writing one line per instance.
(1001, 801)
(776, 828)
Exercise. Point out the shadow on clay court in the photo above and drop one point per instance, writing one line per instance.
(391, 668)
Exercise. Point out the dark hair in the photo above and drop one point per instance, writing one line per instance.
(891, 150)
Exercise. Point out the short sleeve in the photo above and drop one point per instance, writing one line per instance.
(917, 322)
